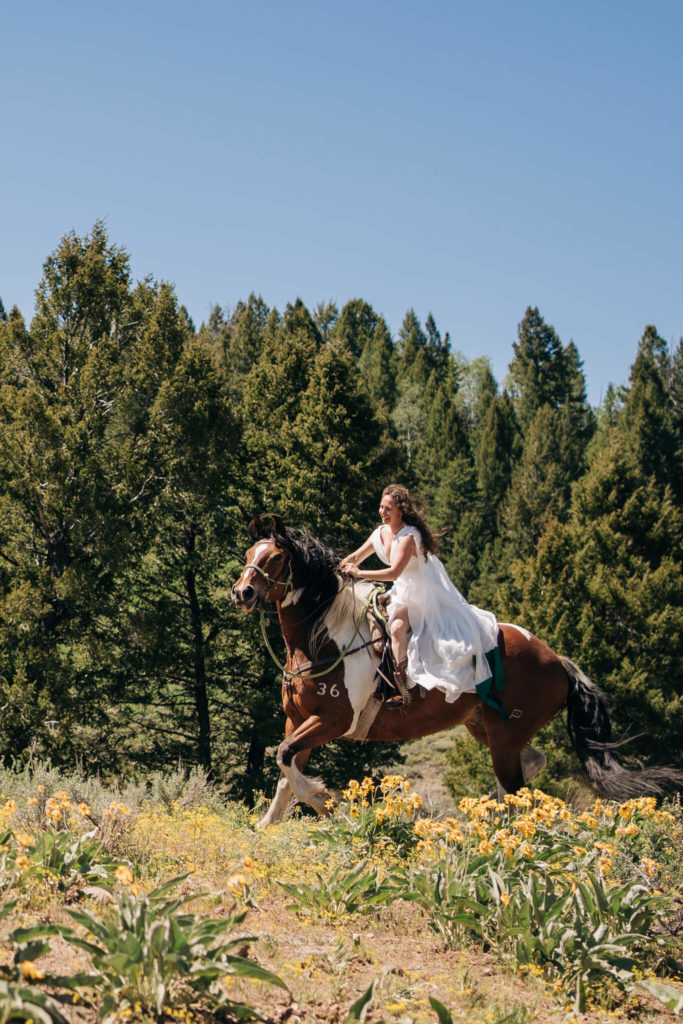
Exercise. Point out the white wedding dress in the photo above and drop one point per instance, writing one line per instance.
(449, 638)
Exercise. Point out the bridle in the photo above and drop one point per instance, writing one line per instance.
(273, 581)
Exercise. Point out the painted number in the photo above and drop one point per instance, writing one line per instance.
(322, 690)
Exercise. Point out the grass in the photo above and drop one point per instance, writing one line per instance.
(385, 910)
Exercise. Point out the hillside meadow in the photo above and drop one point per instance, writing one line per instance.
(160, 901)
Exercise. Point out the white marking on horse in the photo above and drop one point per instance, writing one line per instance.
(525, 632)
(292, 597)
(359, 668)
(250, 568)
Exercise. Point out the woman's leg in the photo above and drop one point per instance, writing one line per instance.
(399, 627)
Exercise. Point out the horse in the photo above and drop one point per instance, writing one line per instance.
(330, 679)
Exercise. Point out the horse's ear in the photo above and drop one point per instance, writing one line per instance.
(279, 528)
(255, 529)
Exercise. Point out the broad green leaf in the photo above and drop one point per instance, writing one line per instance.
(358, 1009)
(667, 994)
(442, 1013)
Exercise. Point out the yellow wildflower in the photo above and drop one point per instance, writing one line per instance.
(627, 830)
(650, 866)
(10, 806)
(123, 874)
(29, 969)
(526, 827)
(22, 862)
(236, 884)
(24, 840)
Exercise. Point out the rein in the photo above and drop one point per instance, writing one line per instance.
(314, 664)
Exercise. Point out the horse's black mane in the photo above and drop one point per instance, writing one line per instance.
(314, 564)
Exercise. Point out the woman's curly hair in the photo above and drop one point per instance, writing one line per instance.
(414, 516)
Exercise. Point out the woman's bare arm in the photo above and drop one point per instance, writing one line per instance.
(358, 556)
(401, 555)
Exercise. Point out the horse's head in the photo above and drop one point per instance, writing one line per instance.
(267, 574)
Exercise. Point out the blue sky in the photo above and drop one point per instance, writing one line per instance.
(466, 160)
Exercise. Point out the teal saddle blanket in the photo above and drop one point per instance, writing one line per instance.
(489, 689)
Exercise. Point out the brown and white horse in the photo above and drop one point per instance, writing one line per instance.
(329, 682)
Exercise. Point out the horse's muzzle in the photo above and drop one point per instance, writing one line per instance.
(244, 596)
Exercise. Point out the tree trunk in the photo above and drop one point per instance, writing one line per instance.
(201, 698)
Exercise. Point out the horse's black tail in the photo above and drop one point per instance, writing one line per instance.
(590, 731)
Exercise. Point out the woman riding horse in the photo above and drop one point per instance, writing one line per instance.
(330, 678)
(438, 640)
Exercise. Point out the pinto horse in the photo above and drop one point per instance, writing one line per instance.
(330, 679)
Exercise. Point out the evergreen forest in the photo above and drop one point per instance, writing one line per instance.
(136, 448)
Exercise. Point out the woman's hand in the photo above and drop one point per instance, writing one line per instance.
(349, 568)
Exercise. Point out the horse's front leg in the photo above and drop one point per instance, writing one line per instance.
(279, 805)
(311, 733)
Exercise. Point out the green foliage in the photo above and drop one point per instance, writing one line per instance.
(469, 771)
(143, 951)
(136, 449)
(18, 1002)
(343, 892)
(606, 586)
(578, 931)
(67, 862)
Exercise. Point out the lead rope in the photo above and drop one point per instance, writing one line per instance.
(342, 655)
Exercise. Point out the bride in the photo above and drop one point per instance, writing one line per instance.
(438, 640)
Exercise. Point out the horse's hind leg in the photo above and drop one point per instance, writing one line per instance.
(508, 768)
(533, 762)
(513, 768)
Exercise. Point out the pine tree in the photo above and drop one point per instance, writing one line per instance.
(495, 453)
(540, 486)
(441, 438)
(377, 365)
(238, 340)
(325, 316)
(174, 664)
(536, 373)
(355, 326)
(413, 365)
(75, 391)
(606, 589)
(556, 424)
(676, 399)
(342, 454)
(272, 398)
(648, 416)
(438, 348)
